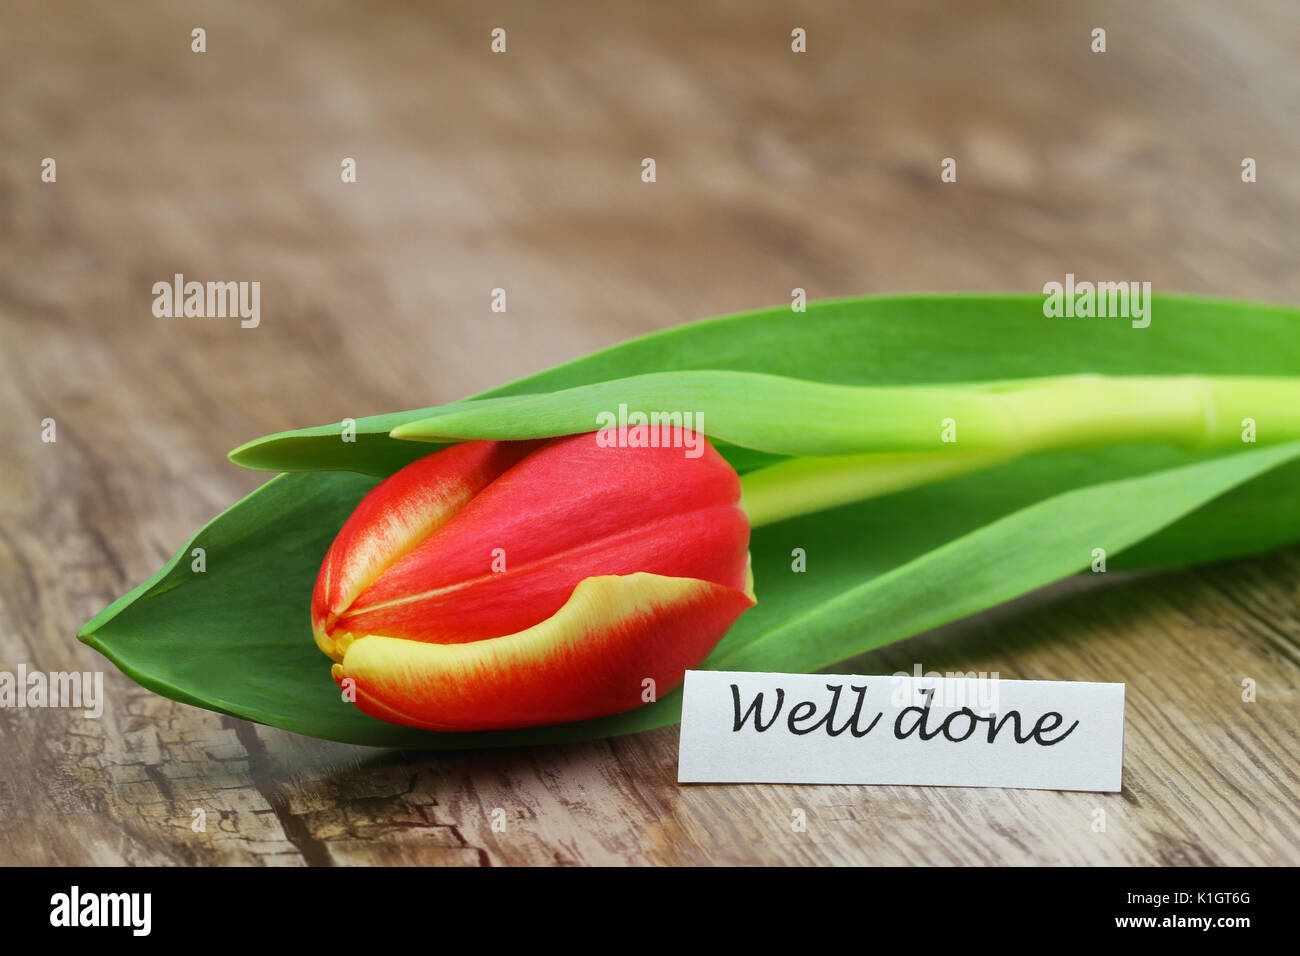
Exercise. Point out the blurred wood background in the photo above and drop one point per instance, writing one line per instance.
(522, 171)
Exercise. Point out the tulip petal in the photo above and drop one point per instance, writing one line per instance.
(396, 516)
(591, 658)
(706, 544)
(570, 510)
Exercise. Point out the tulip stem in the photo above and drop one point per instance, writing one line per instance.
(984, 425)
(803, 485)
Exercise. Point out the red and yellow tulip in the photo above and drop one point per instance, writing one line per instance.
(513, 584)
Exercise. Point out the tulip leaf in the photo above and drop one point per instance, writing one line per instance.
(796, 417)
(999, 561)
(881, 340)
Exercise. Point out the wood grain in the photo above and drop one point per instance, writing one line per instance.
(522, 172)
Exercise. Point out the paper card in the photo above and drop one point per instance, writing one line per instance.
(934, 731)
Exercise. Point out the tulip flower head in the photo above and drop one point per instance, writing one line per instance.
(511, 584)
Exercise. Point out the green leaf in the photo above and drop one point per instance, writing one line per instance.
(1001, 560)
(797, 417)
(885, 340)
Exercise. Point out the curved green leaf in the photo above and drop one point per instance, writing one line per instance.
(880, 340)
(1002, 560)
(797, 417)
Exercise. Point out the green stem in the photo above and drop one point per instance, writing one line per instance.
(804, 485)
(1080, 411)
(992, 423)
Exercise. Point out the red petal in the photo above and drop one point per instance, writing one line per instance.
(570, 510)
(592, 658)
(396, 516)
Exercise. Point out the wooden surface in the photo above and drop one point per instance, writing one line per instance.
(522, 171)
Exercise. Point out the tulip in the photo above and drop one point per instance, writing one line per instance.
(509, 584)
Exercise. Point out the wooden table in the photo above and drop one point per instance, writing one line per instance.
(522, 171)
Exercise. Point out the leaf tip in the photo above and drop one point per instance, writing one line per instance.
(412, 431)
(241, 456)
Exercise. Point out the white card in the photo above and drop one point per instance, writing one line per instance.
(931, 731)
